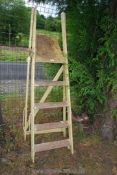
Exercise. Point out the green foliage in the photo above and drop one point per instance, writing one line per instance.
(14, 21)
(52, 24)
(92, 54)
(40, 21)
(114, 112)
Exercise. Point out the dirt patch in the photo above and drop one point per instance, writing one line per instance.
(92, 156)
(48, 49)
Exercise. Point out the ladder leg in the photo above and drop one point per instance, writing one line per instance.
(70, 130)
(64, 108)
(26, 99)
(32, 109)
(32, 89)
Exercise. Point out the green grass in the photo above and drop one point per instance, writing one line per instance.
(45, 32)
(24, 41)
(13, 55)
(17, 55)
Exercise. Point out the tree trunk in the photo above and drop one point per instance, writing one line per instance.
(108, 123)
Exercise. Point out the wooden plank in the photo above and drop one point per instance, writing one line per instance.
(49, 83)
(49, 126)
(50, 105)
(64, 38)
(51, 145)
(27, 97)
(31, 28)
(32, 83)
(46, 131)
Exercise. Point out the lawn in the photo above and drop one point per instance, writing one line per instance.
(13, 55)
(45, 32)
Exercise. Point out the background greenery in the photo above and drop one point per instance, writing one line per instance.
(92, 43)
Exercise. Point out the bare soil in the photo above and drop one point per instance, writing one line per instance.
(48, 49)
(92, 156)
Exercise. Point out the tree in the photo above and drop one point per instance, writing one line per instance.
(52, 24)
(40, 21)
(14, 19)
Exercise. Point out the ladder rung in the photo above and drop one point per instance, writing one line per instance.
(49, 83)
(52, 145)
(50, 126)
(50, 105)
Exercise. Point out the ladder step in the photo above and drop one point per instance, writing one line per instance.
(50, 105)
(50, 126)
(52, 145)
(49, 83)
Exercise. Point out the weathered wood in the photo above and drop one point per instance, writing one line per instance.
(50, 105)
(27, 96)
(49, 126)
(31, 29)
(30, 126)
(52, 145)
(46, 131)
(64, 37)
(32, 83)
(64, 99)
(49, 83)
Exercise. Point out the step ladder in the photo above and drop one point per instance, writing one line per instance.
(65, 126)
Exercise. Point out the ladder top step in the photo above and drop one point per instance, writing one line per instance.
(49, 83)
(52, 145)
(50, 105)
(49, 126)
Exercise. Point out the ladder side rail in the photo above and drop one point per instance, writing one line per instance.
(27, 97)
(25, 122)
(63, 27)
(64, 108)
(32, 86)
(64, 38)
(31, 28)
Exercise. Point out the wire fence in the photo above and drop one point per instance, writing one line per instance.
(13, 61)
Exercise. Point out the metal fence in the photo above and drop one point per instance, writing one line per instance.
(13, 64)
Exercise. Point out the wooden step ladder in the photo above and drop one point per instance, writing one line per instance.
(29, 126)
